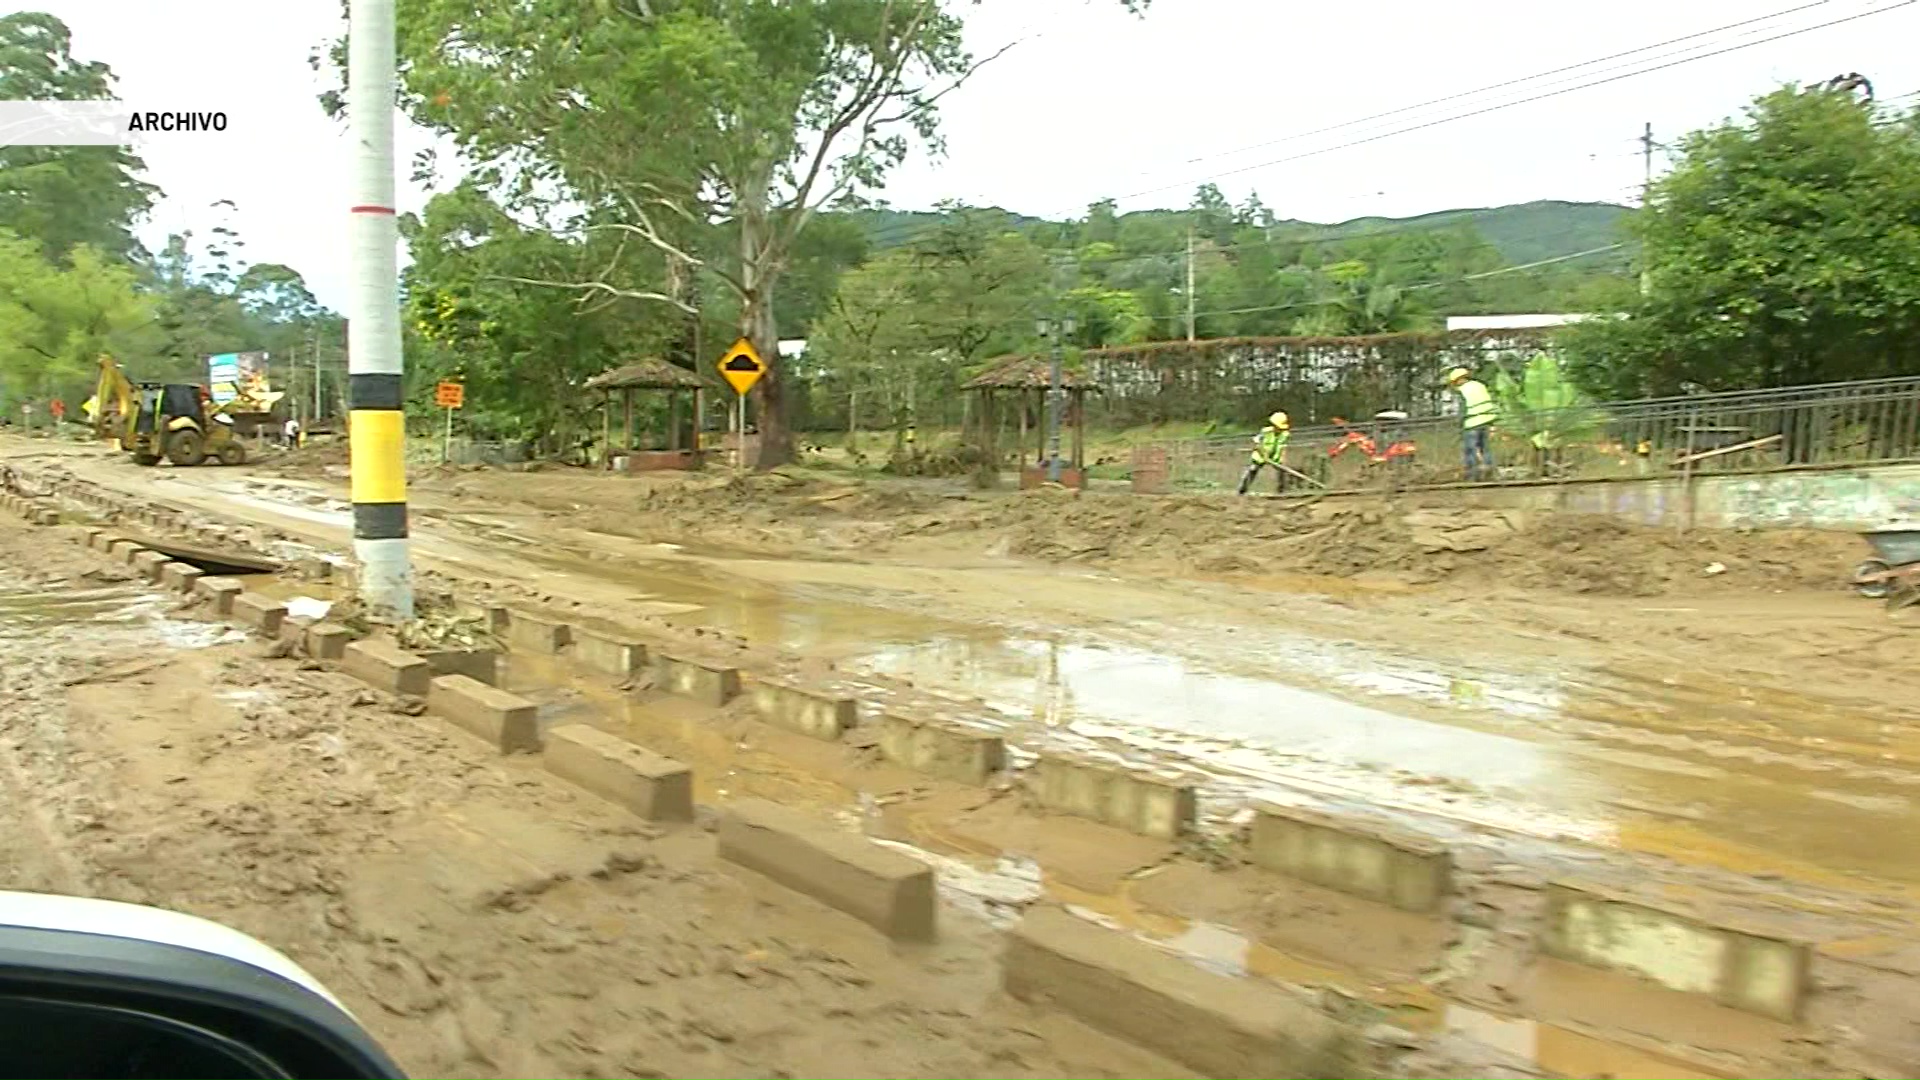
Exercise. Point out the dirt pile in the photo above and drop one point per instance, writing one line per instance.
(1562, 553)
(313, 461)
(787, 511)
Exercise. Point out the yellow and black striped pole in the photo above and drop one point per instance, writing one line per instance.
(376, 424)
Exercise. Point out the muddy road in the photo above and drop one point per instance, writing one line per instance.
(1716, 702)
(1708, 719)
(482, 918)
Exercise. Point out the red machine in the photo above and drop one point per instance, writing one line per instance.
(1382, 445)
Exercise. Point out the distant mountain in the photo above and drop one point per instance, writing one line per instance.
(1523, 232)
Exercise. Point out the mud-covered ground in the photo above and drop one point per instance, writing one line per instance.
(481, 918)
(1714, 711)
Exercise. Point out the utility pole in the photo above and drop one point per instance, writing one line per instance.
(1190, 283)
(1055, 330)
(376, 424)
(1646, 157)
(1646, 190)
(317, 407)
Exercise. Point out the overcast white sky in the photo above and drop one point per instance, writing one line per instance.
(1093, 103)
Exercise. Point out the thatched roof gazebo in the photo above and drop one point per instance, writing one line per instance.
(657, 375)
(1023, 383)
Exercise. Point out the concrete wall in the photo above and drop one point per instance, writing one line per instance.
(1851, 500)
(1354, 857)
(1149, 803)
(1736, 966)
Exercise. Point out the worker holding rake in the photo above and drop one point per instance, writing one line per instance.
(1270, 449)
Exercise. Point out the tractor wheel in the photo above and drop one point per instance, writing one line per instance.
(186, 447)
(1874, 587)
(232, 452)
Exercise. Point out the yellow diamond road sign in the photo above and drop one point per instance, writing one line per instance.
(742, 367)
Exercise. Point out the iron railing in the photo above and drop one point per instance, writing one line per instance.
(1857, 423)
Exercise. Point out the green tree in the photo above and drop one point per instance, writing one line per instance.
(711, 130)
(913, 322)
(64, 196)
(1784, 248)
(56, 319)
(481, 306)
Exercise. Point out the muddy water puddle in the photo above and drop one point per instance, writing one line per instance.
(1272, 715)
(731, 760)
(1263, 713)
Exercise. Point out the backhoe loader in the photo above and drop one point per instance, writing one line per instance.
(155, 420)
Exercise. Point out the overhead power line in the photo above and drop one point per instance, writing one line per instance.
(1525, 100)
(1436, 284)
(1637, 71)
(1507, 83)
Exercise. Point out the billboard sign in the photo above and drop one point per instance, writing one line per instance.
(237, 375)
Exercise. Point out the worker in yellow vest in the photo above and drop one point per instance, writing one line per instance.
(1269, 450)
(1477, 412)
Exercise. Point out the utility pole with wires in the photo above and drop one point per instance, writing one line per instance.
(1190, 334)
(376, 424)
(1646, 191)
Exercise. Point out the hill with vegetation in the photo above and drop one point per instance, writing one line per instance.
(1520, 232)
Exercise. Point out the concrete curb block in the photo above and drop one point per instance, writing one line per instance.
(783, 704)
(124, 550)
(221, 591)
(508, 722)
(1217, 1025)
(480, 665)
(179, 577)
(148, 563)
(707, 683)
(387, 667)
(1756, 972)
(293, 630)
(891, 892)
(259, 613)
(1364, 859)
(327, 641)
(651, 787)
(623, 658)
(942, 748)
(1149, 803)
(536, 634)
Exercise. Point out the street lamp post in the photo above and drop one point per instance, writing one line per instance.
(1056, 393)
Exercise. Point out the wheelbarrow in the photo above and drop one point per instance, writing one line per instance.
(1895, 571)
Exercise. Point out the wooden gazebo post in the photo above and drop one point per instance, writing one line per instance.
(1026, 380)
(650, 374)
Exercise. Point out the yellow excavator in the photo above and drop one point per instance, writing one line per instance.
(172, 420)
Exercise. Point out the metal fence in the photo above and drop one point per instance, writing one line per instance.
(1856, 423)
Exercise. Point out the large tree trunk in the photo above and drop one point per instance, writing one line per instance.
(759, 271)
(685, 350)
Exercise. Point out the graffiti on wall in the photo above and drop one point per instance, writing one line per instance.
(1855, 499)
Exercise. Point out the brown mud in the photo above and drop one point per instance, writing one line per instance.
(480, 917)
(1714, 708)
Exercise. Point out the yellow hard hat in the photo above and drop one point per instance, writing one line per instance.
(1278, 419)
(1458, 374)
